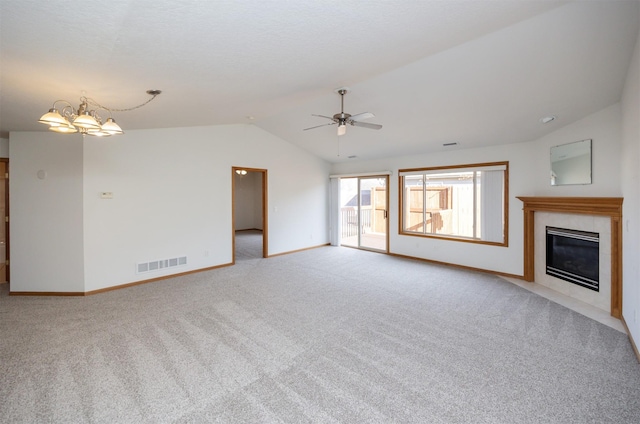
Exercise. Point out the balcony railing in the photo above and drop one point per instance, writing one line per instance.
(349, 218)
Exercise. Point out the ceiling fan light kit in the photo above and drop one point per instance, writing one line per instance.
(342, 118)
(86, 120)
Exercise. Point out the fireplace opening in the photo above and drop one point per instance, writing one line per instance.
(573, 256)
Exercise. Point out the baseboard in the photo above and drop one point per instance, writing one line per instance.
(164, 277)
(118, 287)
(468, 268)
(19, 293)
(151, 280)
(633, 343)
(298, 250)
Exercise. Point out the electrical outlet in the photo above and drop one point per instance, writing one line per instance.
(206, 253)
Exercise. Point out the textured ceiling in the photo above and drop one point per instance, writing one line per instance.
(476, 72)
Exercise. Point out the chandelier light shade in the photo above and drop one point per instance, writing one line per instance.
(110, 127)
(53, 118)
(86, 120)
(64, 129)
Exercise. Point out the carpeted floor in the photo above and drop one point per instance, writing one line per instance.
(248, 245)
(329, 335)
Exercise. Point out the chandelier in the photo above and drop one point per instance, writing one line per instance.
(86, 119)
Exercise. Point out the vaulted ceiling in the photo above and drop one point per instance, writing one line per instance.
(471, 72)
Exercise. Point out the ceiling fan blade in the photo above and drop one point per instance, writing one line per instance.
(322, 116)
(318, 126)
(366, 125)
(362, 116)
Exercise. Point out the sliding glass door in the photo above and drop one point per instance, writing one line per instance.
(363, 212)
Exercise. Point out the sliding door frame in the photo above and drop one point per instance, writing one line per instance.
(386, 213)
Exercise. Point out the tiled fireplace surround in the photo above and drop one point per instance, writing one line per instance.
(602, 215)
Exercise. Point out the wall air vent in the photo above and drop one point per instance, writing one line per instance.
(160, 264)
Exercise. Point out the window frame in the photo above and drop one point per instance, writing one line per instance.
(466, 167)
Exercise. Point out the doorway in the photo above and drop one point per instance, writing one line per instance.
(363, 212)
(249, 222)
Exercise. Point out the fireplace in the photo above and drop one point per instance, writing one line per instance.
(610, 264)
(573, 256)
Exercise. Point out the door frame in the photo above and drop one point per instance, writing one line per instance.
(6, 218)
(265, 209)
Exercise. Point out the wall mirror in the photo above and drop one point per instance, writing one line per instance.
(571, 163)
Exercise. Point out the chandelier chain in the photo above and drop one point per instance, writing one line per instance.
(94, 103)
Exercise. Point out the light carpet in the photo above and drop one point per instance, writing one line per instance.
(248, 245)
(329, 335)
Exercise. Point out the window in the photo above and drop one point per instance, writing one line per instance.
(464, 202)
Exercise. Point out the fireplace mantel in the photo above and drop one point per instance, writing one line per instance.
(598, 206)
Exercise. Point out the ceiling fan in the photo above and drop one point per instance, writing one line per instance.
(342, 119)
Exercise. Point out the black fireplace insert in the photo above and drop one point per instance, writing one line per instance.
(574, 256)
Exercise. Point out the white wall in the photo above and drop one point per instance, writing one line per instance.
(248, 197)
(529, 175)
(630, 164)
(604, 128)
(46, 214)
(171, 197)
